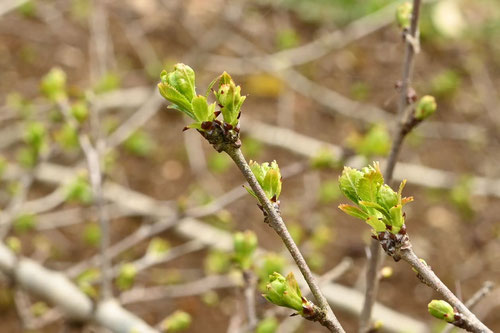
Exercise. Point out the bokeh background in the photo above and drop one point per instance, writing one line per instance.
(320, 78)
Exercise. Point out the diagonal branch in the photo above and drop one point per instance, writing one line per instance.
(276, 222)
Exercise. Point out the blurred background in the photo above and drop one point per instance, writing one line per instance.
(321, 81)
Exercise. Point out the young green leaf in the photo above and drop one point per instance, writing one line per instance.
(370, 183)
(353, 211)
(348, 183)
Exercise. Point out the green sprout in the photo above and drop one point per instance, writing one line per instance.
(178, 87)
(126, 276)
(53, 85)
(426, 107)
(176, 322)
(441, 310)
(403, 15)
(245, 244)
(229, 97)
(285, 292)
(269, 178)
(375, 202)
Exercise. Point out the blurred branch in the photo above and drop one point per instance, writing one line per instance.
(149, 260)
(9, 5)
(404, 126)
(198, 287)
(338, 39)
(61, 292)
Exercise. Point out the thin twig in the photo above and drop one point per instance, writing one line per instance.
(375, 259)
(58, 290)
(95, 175)
(478, 296)
(249, 291)
(429, 278)
(276, 222)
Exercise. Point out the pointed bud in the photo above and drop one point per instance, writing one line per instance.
(126, 277)
(403, 15)
(441, 310)
(269, 178)
(53, 85)
(284, 292)
(35, 135)
(176, 322)
(229, 97)
(80, 111)
(268, 325)
(157, 247)
(14, 244)
(426, 107)
(245, 244)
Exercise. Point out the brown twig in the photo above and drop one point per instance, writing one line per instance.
(472, 324)
(403, 128)
(276, 222)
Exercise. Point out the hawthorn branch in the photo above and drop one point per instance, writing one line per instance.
(471, 323)
(277, 223)
(405, 125)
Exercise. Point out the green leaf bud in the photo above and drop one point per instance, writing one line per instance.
(217, 262)
(229, 97)
(403, 15)
(157, 247)
(284, 291)
(441, 310)
(178, 87)
(14, 244)
(38, 309)
(182, 79)
(267, 325)
(92, 234)
(271, 262)
(126, 277)
(176, 322)
(79, 190)
(35, 135)
(53, 85)
(245, 244)
(67, 137)
(426, 107)
(80, 111)
(24, 222)
(269, 178)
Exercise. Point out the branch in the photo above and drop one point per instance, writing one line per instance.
(427, 276)
(405, 125)
(276, 222)
(58, 290)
